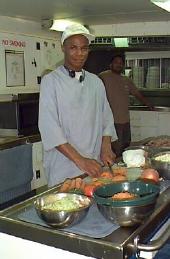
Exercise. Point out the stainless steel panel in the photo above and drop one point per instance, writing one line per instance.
(120, 243)
(146, 108)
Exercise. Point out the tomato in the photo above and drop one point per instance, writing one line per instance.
(150, 174)
(89, 190)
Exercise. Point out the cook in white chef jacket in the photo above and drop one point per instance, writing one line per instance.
(75, 119)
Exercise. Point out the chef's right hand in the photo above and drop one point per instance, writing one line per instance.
(90, 166)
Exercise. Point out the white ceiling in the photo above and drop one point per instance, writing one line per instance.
(88, 12)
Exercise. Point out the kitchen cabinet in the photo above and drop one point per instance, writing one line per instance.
(143, 124)
(18, 154)
(164, 123)
(146, 124)
(39, 178)
(16, 171)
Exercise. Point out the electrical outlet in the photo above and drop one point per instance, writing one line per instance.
(38, 174)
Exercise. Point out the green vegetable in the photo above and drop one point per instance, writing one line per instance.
(76, 191)
(66, 203)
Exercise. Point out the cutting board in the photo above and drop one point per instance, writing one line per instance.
(132, 174)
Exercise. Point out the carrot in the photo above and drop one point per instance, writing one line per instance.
(72, 184)
(65, 186)
(78, 183)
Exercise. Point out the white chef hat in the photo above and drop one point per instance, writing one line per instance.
(76, 29)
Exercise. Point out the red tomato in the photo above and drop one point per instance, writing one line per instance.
(89, 190)
(150, 174)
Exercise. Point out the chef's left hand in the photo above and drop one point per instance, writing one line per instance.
(107, 156)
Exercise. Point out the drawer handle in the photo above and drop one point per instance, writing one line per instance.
(155, 244)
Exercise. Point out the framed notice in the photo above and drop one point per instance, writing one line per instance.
(15, 68)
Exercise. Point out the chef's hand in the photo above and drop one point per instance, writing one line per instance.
(90, 166)
(108, 157)
(87, 165)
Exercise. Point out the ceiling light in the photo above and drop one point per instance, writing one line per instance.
(164, 4)
(121, 42)
(60, 25)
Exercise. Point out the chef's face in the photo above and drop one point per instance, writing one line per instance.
(117, 65)
(75, 50)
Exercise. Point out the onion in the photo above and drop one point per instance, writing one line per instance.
(150, 174)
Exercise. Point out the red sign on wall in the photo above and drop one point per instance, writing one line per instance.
(14, 43)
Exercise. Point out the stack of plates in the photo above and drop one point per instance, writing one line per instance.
(138, 76)
(153, 77)
(167, 74)
(166, 83)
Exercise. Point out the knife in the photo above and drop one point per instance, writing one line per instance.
(110, 168)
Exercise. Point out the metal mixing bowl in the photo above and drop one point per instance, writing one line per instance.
(64, 217)
(126, 216)
(127, 212)
(163, 168)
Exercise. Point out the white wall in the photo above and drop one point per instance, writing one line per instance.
(31, 32)
(132, 29)
(24, 27)
(20, 26)
(14, 30)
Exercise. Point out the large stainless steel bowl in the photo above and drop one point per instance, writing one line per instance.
(128, 215)
(161, 166)
(127, 212)
(63, 217)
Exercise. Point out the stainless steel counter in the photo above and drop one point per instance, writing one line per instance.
(13, 141)
(145, 108)
(121, 243)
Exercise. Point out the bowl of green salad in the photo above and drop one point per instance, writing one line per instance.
(62, 209)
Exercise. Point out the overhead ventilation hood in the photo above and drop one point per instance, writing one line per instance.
(135, 42)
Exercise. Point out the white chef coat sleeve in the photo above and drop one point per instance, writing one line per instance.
(108, 120)
(51, 132)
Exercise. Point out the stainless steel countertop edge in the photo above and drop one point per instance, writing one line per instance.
(10, 142)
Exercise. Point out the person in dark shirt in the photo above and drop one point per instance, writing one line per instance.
(118, 88)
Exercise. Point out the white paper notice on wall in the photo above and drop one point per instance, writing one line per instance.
(15, 68)
(52, 55)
